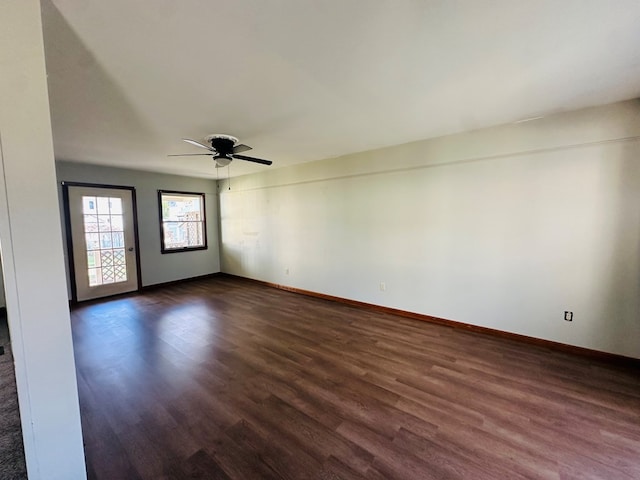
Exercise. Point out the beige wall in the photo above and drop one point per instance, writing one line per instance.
(31, 243)
(505, 227)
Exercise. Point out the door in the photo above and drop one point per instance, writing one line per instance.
(103, 241)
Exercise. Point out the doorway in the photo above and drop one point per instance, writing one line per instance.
(102, 240)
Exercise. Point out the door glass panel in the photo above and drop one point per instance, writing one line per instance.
(103, 205)
(90, 223)
(95, 277)
(104, 223)
(106, 258)
(107, 275)
(120, 269)
(119, 257)
(92, 241)
(118, 239)
(93, 259)
(116, 206)
(104, 240)
(117, 225)
(89, 205)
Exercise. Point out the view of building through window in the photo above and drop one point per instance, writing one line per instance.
(182, 221)
(104, 240)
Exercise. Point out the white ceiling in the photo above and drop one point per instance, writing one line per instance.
(303, 80)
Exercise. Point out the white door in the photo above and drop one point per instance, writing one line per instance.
(103, 238)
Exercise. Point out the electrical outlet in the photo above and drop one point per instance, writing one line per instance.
(383, 286)
(568, 316)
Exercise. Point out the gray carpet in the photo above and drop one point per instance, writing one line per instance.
(12, 466)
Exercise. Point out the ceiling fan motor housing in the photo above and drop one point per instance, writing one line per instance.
(223, 144)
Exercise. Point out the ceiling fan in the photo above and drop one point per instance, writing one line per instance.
(223, 149)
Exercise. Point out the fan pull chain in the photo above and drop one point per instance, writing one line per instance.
(229, 176)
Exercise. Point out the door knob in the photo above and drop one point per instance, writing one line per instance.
(130, 249)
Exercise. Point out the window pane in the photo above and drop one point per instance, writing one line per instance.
(108, 275)
(103, 205)
(105, 240)
(93, 241)
(117, 223)
(93, 259)
(119, 257)
(183, 221)
(95, 276)
(104, 223)
(118, 239)
(176, 208)
(120, 273)
(89, 205)
(116, 206)
(90, 223)
(183, 234)
(106, 257)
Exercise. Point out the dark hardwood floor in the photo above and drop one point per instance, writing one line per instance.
(226, 378)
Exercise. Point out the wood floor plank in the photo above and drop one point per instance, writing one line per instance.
(222, 378)
(203, 466)
(275, 451)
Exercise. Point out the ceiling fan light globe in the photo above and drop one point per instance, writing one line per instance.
(222, 161)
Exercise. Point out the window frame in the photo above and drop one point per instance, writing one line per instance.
(163, 248)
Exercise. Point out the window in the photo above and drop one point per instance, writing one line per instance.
(182, 221)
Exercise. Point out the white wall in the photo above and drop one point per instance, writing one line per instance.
(31, 243)
(156, 267)
(505, 227)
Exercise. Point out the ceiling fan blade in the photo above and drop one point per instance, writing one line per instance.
(198, 144)
(241, 148)
(188, 154)
(252, 159)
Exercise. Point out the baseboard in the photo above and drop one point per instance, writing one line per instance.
(563, 347)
